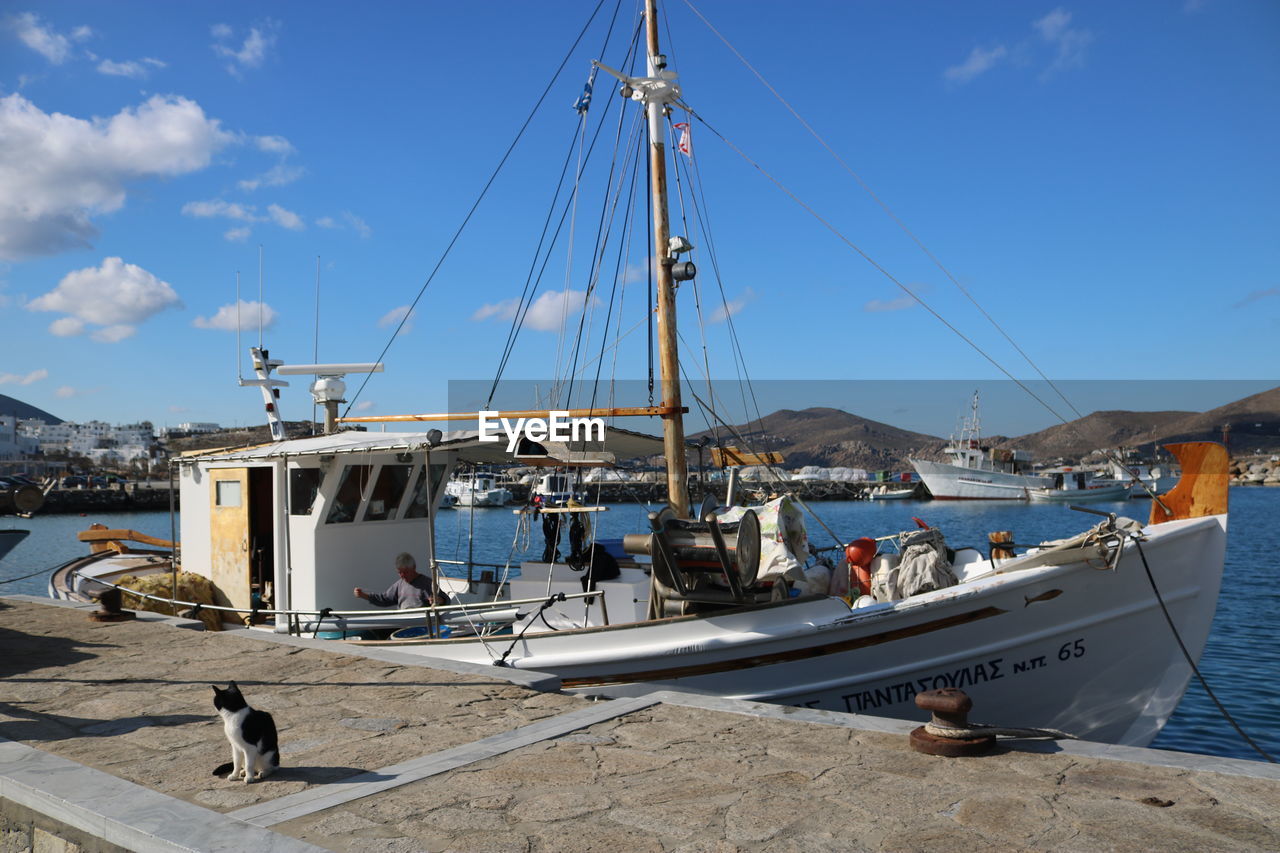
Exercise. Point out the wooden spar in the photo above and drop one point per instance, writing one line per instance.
(625, 412)
(723, 457)
(668, 355)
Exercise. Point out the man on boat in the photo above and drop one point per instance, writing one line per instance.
(411, 590)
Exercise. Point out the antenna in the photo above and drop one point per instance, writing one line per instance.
(328, 388)
(239, 374)
(315, 348)
(259, 296)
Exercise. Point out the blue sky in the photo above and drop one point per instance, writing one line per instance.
(1101, 177)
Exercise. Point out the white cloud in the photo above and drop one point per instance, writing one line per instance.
(134, 69)
(113, 334)
(224, 319)
(21, 379)
(365, 405)
(276, 176)
(979, 62)
(178, 410)
(878, 305)
(237, 235)
(116, 296)
(1257, 295)
(219, 208)
(251, 53)
(274, 144)
(357, 223)
(66, 392)
(732, 307)
(66, 327)
(222, 209)
(52, 45)
(1071, 44)
(395, 315)
(285, 218)
(57, 171)
(546, 314)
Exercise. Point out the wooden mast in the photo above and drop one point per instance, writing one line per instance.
(668, 355)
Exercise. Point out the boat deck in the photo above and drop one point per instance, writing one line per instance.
(112, 737)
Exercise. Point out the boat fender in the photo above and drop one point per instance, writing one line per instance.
(859, 553)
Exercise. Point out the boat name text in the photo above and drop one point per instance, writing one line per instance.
(558, 427)
(992, 670)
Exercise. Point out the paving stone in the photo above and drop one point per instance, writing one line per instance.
(670, 777)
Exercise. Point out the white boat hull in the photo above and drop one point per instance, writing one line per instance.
(494, 497)
(955, 482)
(1091, 494)
(1067, 647)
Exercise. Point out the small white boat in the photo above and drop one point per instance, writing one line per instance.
(884, 493)
(477, 488)
(1079, 487)
(554, 489)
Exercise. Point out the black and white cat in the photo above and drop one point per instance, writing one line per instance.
(255, 751)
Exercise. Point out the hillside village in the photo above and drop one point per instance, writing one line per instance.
(824, 444)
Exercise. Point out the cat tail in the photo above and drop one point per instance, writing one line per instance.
(222, 769)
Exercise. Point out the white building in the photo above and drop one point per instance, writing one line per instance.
(14, 444)
(97, 440)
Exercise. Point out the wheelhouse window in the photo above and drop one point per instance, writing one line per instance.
(304, 485)
(388, 490)
(347, 498)
(228, 493)
(422, 493)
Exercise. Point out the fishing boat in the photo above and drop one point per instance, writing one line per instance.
(1075, 486)
(721, 600)
(478, 488)
(975, 471)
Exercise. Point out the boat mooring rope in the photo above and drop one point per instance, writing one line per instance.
(1191, 662)
(979, 730)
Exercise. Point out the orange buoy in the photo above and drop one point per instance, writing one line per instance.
(859, 553)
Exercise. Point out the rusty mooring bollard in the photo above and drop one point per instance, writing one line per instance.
(111, 610)
(950, 708)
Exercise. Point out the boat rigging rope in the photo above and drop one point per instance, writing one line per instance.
(877, 266)
(476, 205)
(923, 248)
(702, 210)
(1191, 661)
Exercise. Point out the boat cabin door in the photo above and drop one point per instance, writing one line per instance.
(242, 532)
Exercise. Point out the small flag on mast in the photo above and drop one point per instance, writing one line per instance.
(682, 143)
(584, 100)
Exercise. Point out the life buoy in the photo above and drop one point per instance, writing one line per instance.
(859, 553)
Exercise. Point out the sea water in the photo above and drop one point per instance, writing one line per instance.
(1241, 662)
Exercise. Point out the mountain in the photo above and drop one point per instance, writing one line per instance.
(10, 406)
(834, 438)
(829, 438)
(1254, 424)
(1096, 431)
(1254, 427)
